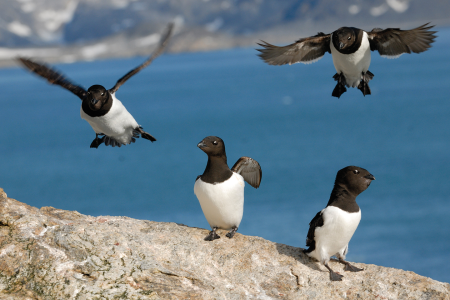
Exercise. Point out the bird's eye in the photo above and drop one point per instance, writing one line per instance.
(356, 171)
(103, 94)
(215, 143)
(349, 38)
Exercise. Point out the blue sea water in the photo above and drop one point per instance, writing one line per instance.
(284, 117)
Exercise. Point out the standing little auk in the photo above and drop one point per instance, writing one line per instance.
(100, 107)
(350, 48)
(220, 190)
(332, 228)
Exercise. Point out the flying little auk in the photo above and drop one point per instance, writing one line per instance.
(100, 107)
(350, 48)
(220, 190)
(332, 228)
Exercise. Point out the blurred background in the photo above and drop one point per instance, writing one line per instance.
(211, 82)
(70, 30)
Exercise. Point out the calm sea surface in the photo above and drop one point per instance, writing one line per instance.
(284, 117)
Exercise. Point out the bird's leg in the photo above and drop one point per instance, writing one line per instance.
(97, 142)
(333, 275)
(349, 267)
(364, 88)
(144, 134)
(368, 76)
(231, 233)
(340, 86)
(364, 83)
(212, 235)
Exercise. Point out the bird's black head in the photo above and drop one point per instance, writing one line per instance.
(97, 96)
(346, 39)
(355, 179)
(213, 146)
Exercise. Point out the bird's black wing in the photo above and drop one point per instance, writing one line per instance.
(53, 76)
(306, 50)
(317, 221)
(162, 44)
(249, 169)
(393, 42)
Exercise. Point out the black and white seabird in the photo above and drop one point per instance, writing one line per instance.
(100, 107)
(220, 190)
(332, 228)
(350, 48)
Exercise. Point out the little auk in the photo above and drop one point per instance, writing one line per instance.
(332, 228)
(100, 108)
(350, 49)
(220, 190)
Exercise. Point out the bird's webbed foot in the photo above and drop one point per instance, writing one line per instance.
(97, 141)
(212, 235)
(231, 233)
(349, 267)
(340, 88)
(364, 83)
(139, 131)
(334, 276)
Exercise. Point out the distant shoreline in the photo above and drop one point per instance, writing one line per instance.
(185, 40)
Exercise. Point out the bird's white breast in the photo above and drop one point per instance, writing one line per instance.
(118, 123)
(336, 232)
(222, 203)
(354, 64)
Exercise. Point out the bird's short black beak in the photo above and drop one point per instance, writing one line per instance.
(370, 176)
(94, 101)
(341, 45)
(201, 145)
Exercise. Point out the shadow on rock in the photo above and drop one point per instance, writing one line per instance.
(297, 254)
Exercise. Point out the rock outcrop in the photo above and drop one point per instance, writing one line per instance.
(51, 253)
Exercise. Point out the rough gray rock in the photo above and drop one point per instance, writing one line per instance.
(50, 253)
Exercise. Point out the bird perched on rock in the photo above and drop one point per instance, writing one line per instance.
(220, 190)
(100, 107)
(350, 48)
(332, 228)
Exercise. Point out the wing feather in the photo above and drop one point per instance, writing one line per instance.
(52, 76)
(317, 221)
(306, 50)
(162, 44)
(249, 169)
(393, 42)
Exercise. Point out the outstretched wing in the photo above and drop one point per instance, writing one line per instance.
(306, 50)
(52, 76)
(249, 169)
(393, 42)
(162, 44)
(317, 221)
